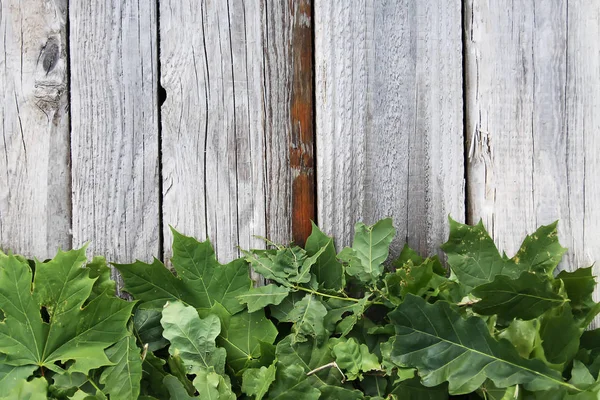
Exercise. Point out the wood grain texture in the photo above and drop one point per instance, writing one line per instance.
(582, 222)
(115, 128)
(228, 69)
(532, 109)
(35, 208)
(389, 117)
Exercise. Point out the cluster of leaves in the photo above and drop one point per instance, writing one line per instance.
(325, 326)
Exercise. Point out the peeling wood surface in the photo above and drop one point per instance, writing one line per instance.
(227, 120)
(389, 117)
(114, 115)
(35, 208)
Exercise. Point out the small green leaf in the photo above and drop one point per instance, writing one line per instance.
(526, 297)
(369, 251)
(176, 389)
(101, 272)
(258, 298)
(560, 333)
(541, 252)
(579, 286)
(153, 373)
(524, 336)
(35, 389)
(307, 316)
(122, 380)
(474, 258)
(193, 338)
(256, 382)
(241, 336)
(291, 384)
(413, 389)
(211, 385)
(354, 358)
(146, 322)
(328, 271)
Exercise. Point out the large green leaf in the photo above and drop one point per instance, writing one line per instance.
(445, 347)
(201, 281)
(258, 298)
(475, 260)
(122, 380)
(327, 269)
(73, 330)
(527, 297)
(369, 250)
(193, 338)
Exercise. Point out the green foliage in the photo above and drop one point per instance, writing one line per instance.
(327, 325)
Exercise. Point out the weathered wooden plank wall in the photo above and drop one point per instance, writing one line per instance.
(404, 93)
(389, 117)
(114, 128)
(533, 74)
(35, 206)
(234, 119)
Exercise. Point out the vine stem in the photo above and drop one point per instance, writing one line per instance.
(326, 295)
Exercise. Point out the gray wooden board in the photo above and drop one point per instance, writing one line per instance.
(34, 147)
(114, 142)
(225, 66)
(389, 117)
(532, 110)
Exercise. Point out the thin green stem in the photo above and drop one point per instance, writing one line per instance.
(326, 295)
(94, 385)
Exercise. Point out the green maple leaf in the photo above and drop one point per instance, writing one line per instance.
(475, 260)
(76, 328)
(200, 282)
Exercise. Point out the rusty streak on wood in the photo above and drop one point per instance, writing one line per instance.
(302, 140)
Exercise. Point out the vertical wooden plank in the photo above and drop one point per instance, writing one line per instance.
(515, 56)
(389, 117)
(115, 127)
(582, 186)
(35, 209)
(532, 100)
(228, 70)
